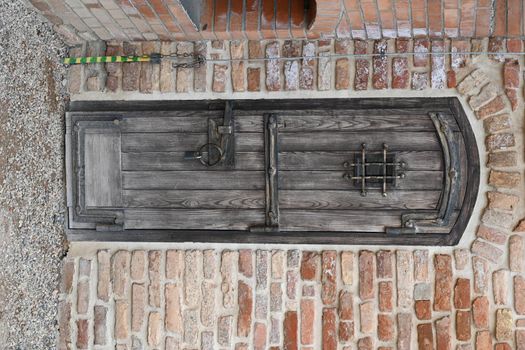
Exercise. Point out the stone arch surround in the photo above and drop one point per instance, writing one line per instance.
(367, 297)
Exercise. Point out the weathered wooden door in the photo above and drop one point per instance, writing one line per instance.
(284, 171)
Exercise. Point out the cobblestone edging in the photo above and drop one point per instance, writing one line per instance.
(290, 299)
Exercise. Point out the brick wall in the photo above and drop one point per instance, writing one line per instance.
(253, 19)
(291, 299)
(470, 297)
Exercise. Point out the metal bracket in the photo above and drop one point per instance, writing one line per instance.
(416, 222)
(271, 173)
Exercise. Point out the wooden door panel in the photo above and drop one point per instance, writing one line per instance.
(352, 141)
(337, 220)
(331, 180)
(324, 160)
(181, 142)
(192, 219)
(352, 200)
(136, 161)
(188, 199)
(103, 187)
(193, 180)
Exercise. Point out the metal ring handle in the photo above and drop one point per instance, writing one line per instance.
(207, 163)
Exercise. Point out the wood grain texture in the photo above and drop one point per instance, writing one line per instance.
(415, 160)
(330, 180)
(193, 180)
(193, 219)
(202, 199)
(352, 200)
(337, 220)
(102, 170)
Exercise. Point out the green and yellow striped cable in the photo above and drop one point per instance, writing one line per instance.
(153, 58)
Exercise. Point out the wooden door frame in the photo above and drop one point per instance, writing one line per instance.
(450, 104)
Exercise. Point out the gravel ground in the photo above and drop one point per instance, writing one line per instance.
(32, 239)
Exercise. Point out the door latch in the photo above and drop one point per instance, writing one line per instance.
(220, 148)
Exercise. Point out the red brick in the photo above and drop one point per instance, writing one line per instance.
(421, 265)
(173, 317)
(245, 309)
(366, 275)
(82, 334)
(519, 295)
(328, 277)
(329, 332)
(254, 79)
(342, 74)
(138, 265)
(362, 71)
(346, 331)
(384, 264)
(423, 309)
(405, 278)
(511, 73)
(154, 278)
(421, 48)
(366, 343)
(64, 316)
(368, 317)
(425, 338)
(463, 327)
(120, 273)
(385, 327)
(486, 250)
(493, 107)
(83, 297)
(121, 330)
(346, 306)
(483, 340)
(68, 271)
(174, 264)
(219, 77)
(443, 282)
(245, 262)
(138, 304)
(502, 346)
(404, 327)
(500, 282)
(310, 265)
(520, 339)
(443, 334)
(517, 253)
(504, 179)
(400, 73)
(386, 299)
(451, 79)
(514, 45)
(259, 336)
(512, 95)
(290, 330)
(273, 74)
(490, 234)
(307, 321)
(347, 267)
(462, 294)
(480, 268)
(480, 312)
(131, 71)
(379, 65)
